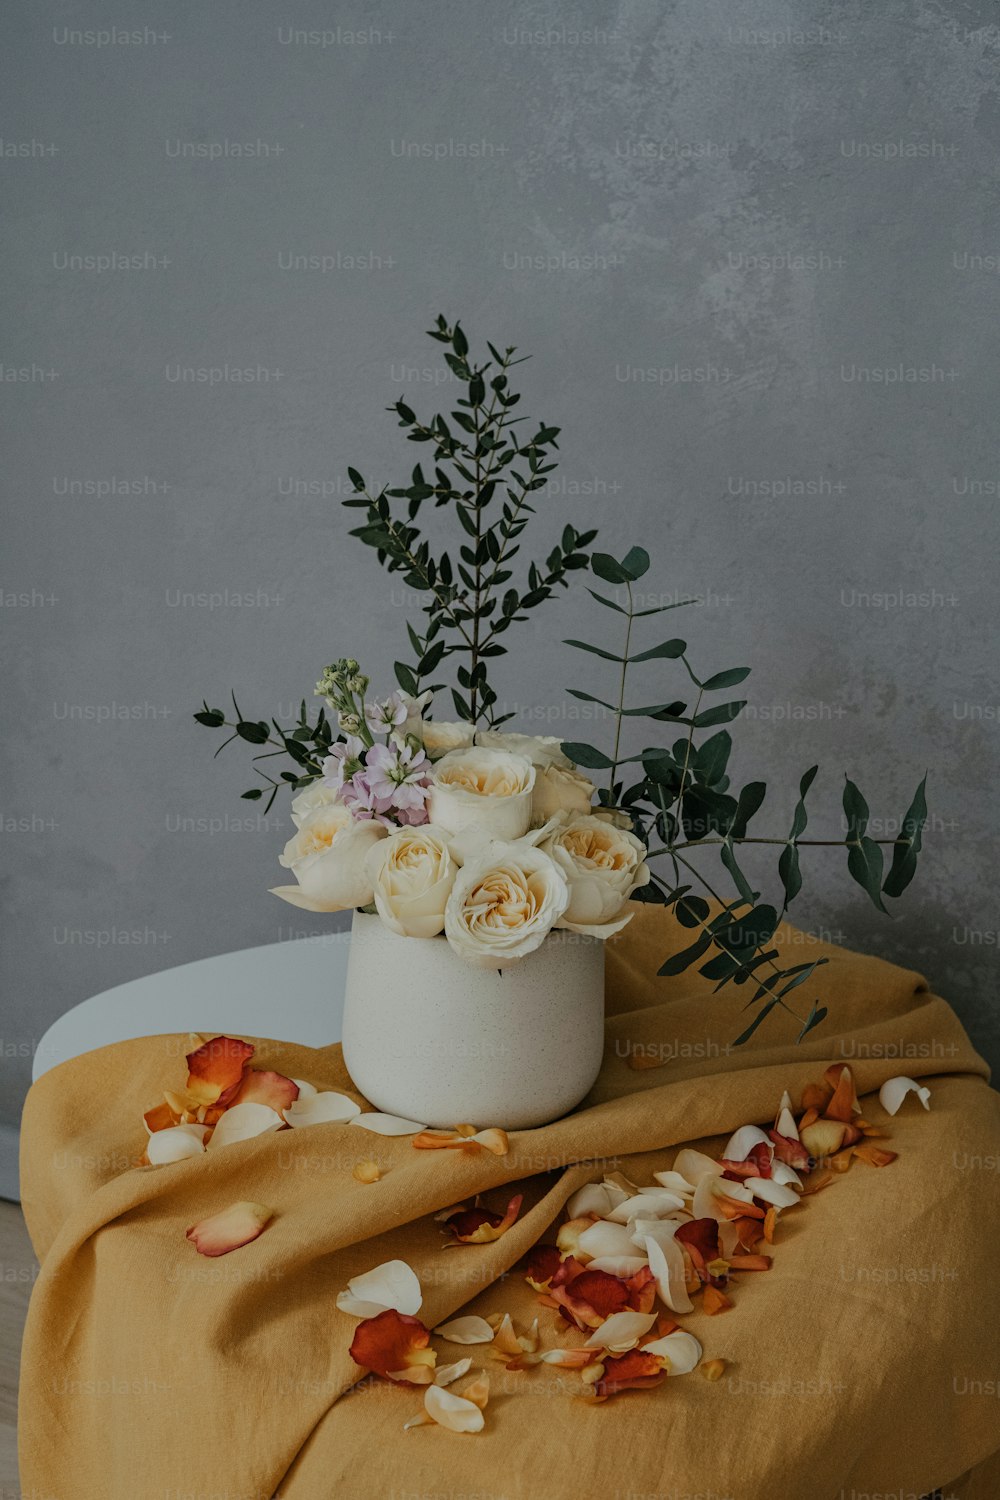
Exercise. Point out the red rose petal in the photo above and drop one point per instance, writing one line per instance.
(479, 1226)
(792, 1153)
(541, 1265)
(395, 1346)
(635, 1370)
(228, 1230)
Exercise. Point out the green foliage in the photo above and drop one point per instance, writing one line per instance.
(486, 472)
(679, 794)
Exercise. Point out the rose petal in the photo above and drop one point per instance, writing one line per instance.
(648, 1205)
(790, 1150)
(395, 1346)
(479, 1226)
(714, 1301)
(694, 1165)
(445, 1374)
(456, 1413)
(467, 1330)
(675, 1181)
(175, 1144)
(666, 1261)
(386, 1124)
(742, 1142)
(393, 1285)
(844, 1103)
(621, 1331)
(874, 1155)
(260, 1086)
(772, 1192)
(493, 1140)
(717, 1198)
(321, 1109)
(636, 1370)
(682, 1351)
(894, 1091)
(598, 1198)
(823, 1137)
(622, 1266)
(541, 1265)
(228, 1230)
(160, 1117)
(602, 1239)
(217, 1067)
(306, 1090)
(242, 1122)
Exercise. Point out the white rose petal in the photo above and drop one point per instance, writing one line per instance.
(327, 857)
(467, 1330)
(558, 789)
(380, 1124)
(412, 873)
(242, 1121)
(894, 1091)
(603, 865)
(488, 788)
(393, 1284)
(621, 1331)
(504, 904)
(175, 1143)
(681, 1349)
(321, 1109)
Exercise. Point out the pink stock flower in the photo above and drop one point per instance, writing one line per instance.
(343, 762)
(399, 776)
(383, 718)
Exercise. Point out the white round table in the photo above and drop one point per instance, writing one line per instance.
(292, 992)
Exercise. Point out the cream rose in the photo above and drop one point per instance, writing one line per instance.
(316, 794)
(488, 788)
(603, 865)
(327, 857)
(412, 874)
(438, 737)
(503, 905)
(560, 789)
(543, 750)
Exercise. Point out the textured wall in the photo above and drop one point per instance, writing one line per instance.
(754, 250)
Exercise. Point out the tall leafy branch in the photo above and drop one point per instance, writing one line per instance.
(680, 802)
(487, 472)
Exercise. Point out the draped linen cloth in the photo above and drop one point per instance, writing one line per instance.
(866, 1362)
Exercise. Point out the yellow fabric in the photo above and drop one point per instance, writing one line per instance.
(864, 1362)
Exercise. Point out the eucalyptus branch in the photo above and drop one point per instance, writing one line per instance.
(682, 792)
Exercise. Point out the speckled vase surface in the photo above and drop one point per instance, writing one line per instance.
(430, 1037)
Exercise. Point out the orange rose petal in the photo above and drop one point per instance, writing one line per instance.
(635, 1370)
(436, 1140)
(493, 1140)
(395, 1346)
(770, 1225)
(841, 1161)
(750, 1263)
(366, 1171)
(259, 1086)
(714, 1369)
(228, 1230)
(844, 1104)
(809, 1118)
(834, 1079)
(749, 1230)
(714, 1301)
(465, 1130)
(216, 1069)
(162, 1117)
(815, 1096)
(874, 1155)
(816, 1182)
(480, 1226)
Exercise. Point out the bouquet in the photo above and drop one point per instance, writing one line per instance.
(495, 838)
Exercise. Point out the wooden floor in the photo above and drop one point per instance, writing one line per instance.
(18, 1269)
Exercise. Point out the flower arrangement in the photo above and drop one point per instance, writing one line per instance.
(493, 838)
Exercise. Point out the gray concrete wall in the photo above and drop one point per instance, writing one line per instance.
(786, 213)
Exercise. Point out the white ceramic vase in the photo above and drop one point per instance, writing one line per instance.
(435, 1039)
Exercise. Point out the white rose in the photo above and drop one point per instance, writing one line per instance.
(327, 857)
(542, 750)
(412, 874)
(603, 865)
(560, 789)
(316, 794)
(488, 788)
(440, 736)
(503, 905)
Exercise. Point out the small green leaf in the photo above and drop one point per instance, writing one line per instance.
(212, 718)
(711, 758)
(724, 713)
(742, 884)
(817, 1014)
(586, 755)
(635, 562)
(669, 649)
(257, 734)
(692, 910)
(907, 847)
(253, 795)
(405, 678)
(594, 650)
(726, 679)
(765, 1010)
(355, 479)
(589, 698)
(678, 962)
(609, 603)
(747, 803)
(605, 566)
(748, 932)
